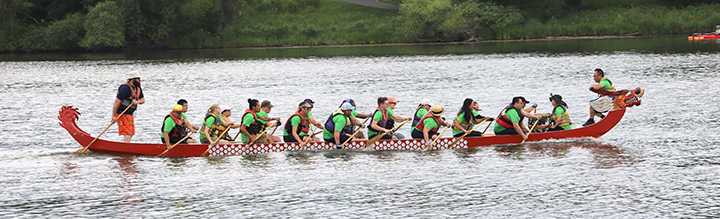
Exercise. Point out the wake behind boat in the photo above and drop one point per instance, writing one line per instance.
(68, 116)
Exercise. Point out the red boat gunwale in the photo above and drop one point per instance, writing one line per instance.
(68, 116)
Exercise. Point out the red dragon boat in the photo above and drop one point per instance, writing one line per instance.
(68, 116)
(703, 37)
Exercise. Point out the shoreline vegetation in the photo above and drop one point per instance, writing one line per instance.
(31, 26)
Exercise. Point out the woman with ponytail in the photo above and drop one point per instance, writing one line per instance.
(250, 127)
(466, 118)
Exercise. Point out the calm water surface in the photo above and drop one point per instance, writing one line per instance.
(660, 161)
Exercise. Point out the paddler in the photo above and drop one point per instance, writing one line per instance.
(717, 30)
(559, 115)
(298, 124)
(188, 126)
(225, 114)
(250, 127)
(421, 110)
(128, 92)
(265, 108)
(602, 103)
(379, 120)
(173, 128)
(310, 115)
(334, 132)
(429, 124)
(208, 131)
(354, 122)
(510, 120)
(392, 103)
(466, 118)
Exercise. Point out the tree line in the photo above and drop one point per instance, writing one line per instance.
(102, 25)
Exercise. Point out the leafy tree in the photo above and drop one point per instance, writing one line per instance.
(65, 34)
(430, 18)
(105, 27)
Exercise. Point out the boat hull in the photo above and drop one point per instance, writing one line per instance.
(703, 37)
(68, 116)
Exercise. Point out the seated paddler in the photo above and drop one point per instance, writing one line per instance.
(298, 124)
(467, 118)
(421, 110)
(379, 120)
(225, 114)
(208, 130)
(265, 108)
(173, 128)
(392, 103)
(560, 120)
(429, 124)
(510, 120)
(336, 126)
(251, 127)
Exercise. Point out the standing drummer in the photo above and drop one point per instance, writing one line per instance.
(128, 93)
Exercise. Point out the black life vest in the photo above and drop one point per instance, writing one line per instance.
(504, 121)
(178, 131)
(381, 123)
(302, 127)
(256, 126)
(134, 95)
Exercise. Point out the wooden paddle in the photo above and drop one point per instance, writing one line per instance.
(531, 128)
(213, 143)
(176, 143)
(458, 139)
(308, 139)
(376, 138)
(83, 150)
(438, 137)
(262, 132)
(486, 128)
(356, 131)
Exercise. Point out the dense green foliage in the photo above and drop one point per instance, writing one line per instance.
(100, 25)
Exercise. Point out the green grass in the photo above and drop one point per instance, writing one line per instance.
(331, 22)
(645, 20)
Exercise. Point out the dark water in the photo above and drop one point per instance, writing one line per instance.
(660, 161)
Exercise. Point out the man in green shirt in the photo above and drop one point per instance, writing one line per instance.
(265, 108)
(604, 84)
(510, 120)
(392, 103)
(189, 126)
(334, 126)
(354, 122)
(379, 119)
(173, 129)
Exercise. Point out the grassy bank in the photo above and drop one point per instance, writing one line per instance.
(330, 22)
(643, 20)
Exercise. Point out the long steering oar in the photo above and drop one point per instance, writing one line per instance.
(376, 138)
(458, 139)
(438, 137)
(531, 128)
(353, 135)
(84, 149)
(309, 137)
(176, 143)
(214, 143)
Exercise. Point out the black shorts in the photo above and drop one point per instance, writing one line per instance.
(472, 134)
(510, 131)
(290, 138)
(385, 137)
(175, 140)
(343, 138)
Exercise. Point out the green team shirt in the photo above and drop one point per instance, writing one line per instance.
(421, 112)
(512, 115)
(559, 111)
(378, 117)
(461, 118)
(340, 123)
(606, 84)
(428, 123)
(354, 113)
(295, 121)
(247, 120)
(209, 121)
(263, 114)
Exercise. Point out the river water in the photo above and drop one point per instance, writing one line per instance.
(660, 161)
